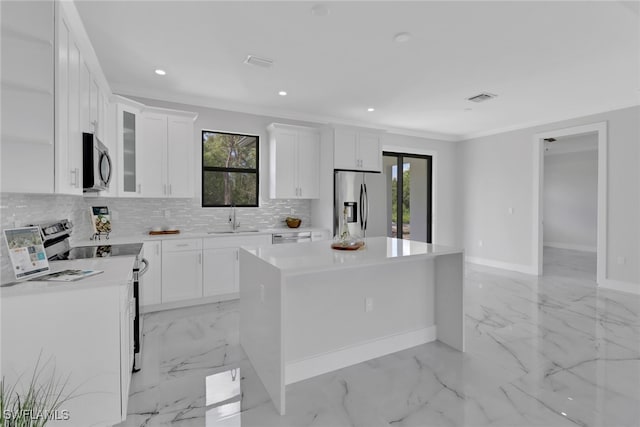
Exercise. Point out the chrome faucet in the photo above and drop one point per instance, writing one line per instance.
(232, 218)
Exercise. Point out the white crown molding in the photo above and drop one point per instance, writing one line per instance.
(276, 113)
(556, 119)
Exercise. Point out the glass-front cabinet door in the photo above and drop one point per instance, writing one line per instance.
(128, 147)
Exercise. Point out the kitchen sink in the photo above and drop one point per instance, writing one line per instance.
(241, 230)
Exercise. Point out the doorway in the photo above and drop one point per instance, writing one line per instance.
(543, 143)
(409, 182)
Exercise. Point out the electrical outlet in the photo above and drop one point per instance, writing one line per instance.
(368, 304)
(167, 213)
(510, 210)
(622, 260)
(480, 243)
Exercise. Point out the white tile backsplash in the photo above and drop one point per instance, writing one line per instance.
(135, 216)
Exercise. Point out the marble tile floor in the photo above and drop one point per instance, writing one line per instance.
(541, 351)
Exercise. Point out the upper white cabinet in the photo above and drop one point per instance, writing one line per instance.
(27, 139)
(167, 147)
(68, 152)
(356, 150)
(128, 149)
(294, 153)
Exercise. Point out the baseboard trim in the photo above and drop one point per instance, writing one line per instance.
(620, 286)
(188, 303)
(302, 369)
(581, 248)
(526, 269)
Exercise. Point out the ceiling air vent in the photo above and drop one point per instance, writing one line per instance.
(484, 96)
(258, 62)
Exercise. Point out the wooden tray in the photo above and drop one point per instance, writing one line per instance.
(159, 233)
(340, 247)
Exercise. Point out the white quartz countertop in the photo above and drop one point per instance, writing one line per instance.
(117, 271)
(318, 256)
(213, 233)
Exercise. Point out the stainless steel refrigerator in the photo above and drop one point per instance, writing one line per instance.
(364, 197)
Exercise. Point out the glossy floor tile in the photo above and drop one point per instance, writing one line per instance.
(548, 351)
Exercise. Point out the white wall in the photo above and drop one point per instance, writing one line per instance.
(570, 199)
(496, 173)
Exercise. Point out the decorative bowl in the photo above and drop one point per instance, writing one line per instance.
(293, 222)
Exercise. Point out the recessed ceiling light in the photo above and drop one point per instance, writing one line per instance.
(370, 109)
(402, 37)
(160, 72)
(319, 10)
(282, 93)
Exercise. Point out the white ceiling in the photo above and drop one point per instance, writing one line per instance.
(547, 61)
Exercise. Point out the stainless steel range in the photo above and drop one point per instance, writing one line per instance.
(56, 243)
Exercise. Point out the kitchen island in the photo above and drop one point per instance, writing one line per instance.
(306, 309)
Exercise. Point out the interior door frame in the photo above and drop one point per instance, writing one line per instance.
(400, 155)
(538, 187)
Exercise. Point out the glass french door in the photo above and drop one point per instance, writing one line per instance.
(409, 192)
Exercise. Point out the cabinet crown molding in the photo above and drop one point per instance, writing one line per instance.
(274, 126)
(143, 108)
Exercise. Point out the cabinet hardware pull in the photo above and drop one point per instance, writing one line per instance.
(199, 258)
(182, 245)
(139, 188)
(170, 189)
(164, 190)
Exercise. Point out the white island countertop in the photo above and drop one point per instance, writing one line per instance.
(116, 271)
(319, 256)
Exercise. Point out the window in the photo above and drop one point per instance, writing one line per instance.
(229, 169)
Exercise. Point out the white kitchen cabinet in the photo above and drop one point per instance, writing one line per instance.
(221, 266)
(85, 96)
(220, 271)
(127, 316)
(68, 142)
(167, 146)
(294, 153)
(357, 150)
(83, 332)
(153, 149)
(27, 101)
(128, 147)
(181, 269)
(151, 291)
(180, 152)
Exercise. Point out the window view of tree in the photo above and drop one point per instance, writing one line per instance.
(229, 169)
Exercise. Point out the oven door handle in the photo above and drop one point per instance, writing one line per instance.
(143, 270)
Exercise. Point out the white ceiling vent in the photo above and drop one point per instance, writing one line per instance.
(484, 96)
(259, 62)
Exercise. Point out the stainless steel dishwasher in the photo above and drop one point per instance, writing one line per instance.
(291, 237)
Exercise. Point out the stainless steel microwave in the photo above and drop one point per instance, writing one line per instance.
(96, 170)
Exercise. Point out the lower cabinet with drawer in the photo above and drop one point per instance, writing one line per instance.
(192, 271)
(181, 269)
(221, 265)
